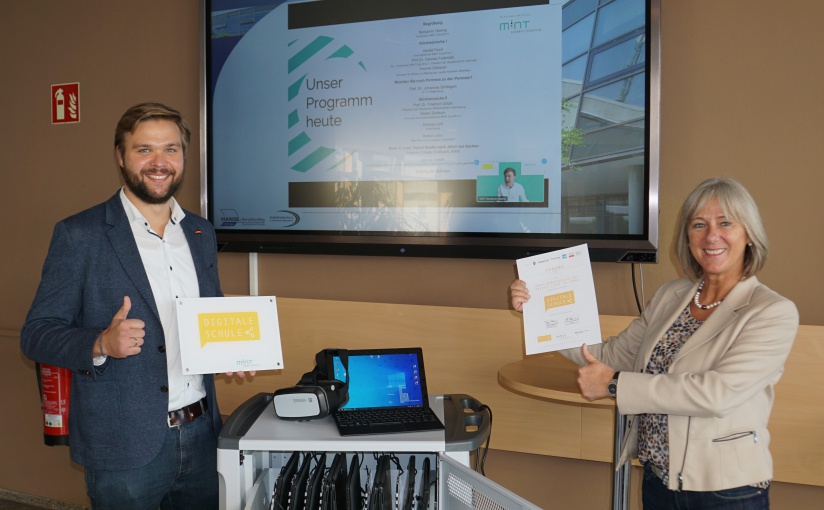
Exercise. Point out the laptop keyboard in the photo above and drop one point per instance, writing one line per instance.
(401, 415)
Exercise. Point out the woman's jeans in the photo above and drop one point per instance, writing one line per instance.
(656, 496)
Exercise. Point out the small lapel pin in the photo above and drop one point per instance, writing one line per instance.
(198, 231)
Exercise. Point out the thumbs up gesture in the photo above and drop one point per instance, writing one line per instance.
(124, 336)
(594, 377)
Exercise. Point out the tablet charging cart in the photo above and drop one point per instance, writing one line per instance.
(255, 444)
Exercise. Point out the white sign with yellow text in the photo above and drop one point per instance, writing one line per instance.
(228, 334)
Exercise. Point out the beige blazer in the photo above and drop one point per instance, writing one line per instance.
(719, 390)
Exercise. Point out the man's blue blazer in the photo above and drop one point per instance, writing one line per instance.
(118, 411)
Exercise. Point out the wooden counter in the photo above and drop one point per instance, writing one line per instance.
(547, 376)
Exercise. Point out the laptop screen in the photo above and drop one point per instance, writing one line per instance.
(383, 378)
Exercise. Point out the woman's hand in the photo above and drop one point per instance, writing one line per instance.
(518, 295)
(594, 377)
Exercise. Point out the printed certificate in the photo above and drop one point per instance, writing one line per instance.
(562, 311)
(228, 334)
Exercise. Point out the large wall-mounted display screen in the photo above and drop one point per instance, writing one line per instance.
(491, 128)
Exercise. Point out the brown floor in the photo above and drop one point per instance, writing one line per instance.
(14, 505)
(15, 501)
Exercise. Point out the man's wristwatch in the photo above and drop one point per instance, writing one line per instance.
(612, 388)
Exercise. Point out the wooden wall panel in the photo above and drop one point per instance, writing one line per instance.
(464, 348)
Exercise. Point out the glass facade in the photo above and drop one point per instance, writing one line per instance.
(605, 104)
(236, 22)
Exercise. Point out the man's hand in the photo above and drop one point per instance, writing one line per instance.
(241, 374)
(124, 336)
(594, 377)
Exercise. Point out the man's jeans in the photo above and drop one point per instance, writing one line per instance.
(182, 476)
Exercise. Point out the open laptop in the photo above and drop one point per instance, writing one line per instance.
(387, 392)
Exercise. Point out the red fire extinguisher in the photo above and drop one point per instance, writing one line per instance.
(55, 387)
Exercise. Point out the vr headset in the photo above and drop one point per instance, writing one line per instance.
(317, 394)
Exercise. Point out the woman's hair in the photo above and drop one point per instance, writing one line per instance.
(150, 111)
(738, 205)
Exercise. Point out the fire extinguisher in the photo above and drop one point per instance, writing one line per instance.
(55, 387)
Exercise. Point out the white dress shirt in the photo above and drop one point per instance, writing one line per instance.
(171, 271)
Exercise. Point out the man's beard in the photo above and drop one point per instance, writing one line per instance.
(138, 186)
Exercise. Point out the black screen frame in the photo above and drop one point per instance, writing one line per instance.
(641, 248)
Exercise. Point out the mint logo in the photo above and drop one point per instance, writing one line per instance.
(513, 25)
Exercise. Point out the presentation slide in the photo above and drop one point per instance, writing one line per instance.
(430, 122)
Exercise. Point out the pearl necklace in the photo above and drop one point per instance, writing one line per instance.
(698, 303)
